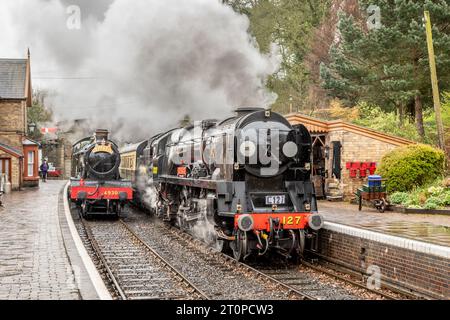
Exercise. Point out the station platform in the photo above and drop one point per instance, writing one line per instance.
(406, 251)
(39, 259)
(430, 228)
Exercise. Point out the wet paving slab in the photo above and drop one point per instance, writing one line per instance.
(427, 228)
(33, 259)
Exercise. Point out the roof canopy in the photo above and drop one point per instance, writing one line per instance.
(10, 150)
(317, 126)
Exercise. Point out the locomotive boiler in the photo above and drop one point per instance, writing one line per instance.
(96, 185)
(248, 176)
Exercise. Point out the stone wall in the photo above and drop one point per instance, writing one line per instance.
(356, 148)
(59, 153)
(12, 139)
(13, 116)
(12, 129)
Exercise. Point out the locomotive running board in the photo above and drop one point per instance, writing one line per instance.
(74, 182)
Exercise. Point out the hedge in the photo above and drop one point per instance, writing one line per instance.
(412, 166)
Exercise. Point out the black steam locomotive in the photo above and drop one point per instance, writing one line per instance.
(96, 185)
(248, 176)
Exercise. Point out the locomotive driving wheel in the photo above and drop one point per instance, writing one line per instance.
(240, 245)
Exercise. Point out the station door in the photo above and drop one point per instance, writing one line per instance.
(5, 168)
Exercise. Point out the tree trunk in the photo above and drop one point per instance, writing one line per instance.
(419, 116)
(401, 114)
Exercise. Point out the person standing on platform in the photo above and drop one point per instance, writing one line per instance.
(44, 170)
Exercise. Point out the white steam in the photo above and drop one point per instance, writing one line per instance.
(138, 67)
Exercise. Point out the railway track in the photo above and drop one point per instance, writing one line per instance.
(135, 270)
(291, 280)
(309, 276)
(219, 276)
(145, 258)
(290, 276)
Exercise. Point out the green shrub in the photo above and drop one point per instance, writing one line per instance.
(447, 198)
(434, 203)
(412, 166)
(434, 195)
(399, 197)
(413, 202)
(430, 205)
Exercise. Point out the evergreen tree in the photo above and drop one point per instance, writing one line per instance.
(389, 65)
(290, 25)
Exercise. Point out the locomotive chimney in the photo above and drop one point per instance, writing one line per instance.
(240, 112)
(101, 134)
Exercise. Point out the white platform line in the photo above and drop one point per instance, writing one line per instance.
(95, 277)
(419, 246)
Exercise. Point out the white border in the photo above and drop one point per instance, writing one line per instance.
(95, 277)
(419, 246)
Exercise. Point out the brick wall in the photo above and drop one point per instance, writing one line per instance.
(356, 148)
(413, 269)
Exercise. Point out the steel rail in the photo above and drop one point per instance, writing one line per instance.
(177, 232)
(102, 258)
(116, 284)
(165, 262)
(230, 260)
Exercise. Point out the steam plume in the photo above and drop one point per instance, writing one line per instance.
(141, 65)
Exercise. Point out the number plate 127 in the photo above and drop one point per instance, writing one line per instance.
(276, 199)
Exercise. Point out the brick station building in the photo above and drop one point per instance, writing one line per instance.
(344, 154)
(18, 153)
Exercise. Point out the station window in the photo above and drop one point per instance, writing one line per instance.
(30, 163)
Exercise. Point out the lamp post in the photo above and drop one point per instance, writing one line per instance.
(31, 127)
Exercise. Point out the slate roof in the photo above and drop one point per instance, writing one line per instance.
(13, 75)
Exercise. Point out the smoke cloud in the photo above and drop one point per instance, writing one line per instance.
(138, 67)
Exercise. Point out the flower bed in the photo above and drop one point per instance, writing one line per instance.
(432, 197)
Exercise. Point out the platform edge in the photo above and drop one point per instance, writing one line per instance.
(92, 271)
(414, 245)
